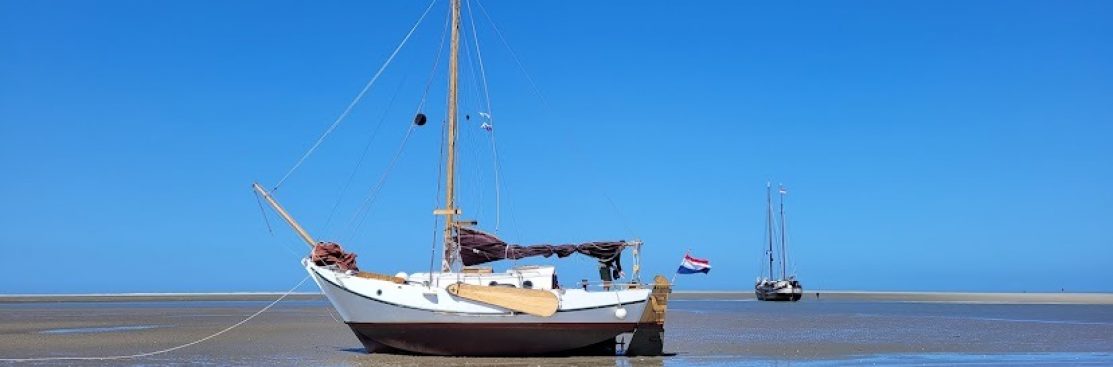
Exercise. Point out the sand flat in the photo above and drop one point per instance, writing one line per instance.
(732, 331)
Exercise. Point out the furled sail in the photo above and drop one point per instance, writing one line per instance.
(477, 247)
(328, 253)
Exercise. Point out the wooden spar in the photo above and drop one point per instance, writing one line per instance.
(535, 302)
(450, 210)
(769, 223)
(282, 212)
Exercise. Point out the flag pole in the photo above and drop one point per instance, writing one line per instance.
(673, 281)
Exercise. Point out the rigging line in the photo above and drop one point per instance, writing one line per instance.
(266, 219)
(441, 157)
(479, 57)
(362, 156)
(784, 232)
(533, 85)
(373, 194)
(473, 187)
(490, 115)
(498, 183)
(513, 55)
(436, 198)
(622, 218)
(263, 212)
(784, 256)
(468, 134)
(356, 100)
(765, 252)
(162, 351)
(436, 62)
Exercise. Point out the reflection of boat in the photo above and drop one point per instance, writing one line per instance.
(468, 310)
(785, 288)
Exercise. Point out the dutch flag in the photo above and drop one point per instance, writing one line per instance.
(692, 265)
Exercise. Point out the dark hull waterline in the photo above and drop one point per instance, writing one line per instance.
(493, 339)
(778, 297)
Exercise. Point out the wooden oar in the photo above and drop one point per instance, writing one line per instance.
(532, 301)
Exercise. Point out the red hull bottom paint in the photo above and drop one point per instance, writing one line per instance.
(491, 339)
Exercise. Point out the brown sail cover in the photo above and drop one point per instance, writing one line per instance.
(478, 247)
(328, 253)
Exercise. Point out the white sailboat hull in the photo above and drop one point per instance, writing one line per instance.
(414, 318)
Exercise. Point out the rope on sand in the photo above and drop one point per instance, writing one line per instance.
(167, 350)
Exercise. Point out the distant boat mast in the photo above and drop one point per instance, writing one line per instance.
(769, 224)
(784, 245)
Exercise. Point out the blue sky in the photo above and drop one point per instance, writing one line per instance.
(931, 145)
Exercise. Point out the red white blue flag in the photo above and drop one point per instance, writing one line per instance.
(692, 265)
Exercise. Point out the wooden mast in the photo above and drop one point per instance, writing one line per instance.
(286, 216)
(769, 223)
(450, 211)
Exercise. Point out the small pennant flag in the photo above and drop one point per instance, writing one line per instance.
(486, 125)
(692, 265)
(784, 190)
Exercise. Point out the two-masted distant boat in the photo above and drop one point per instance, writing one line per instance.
(786, 287)
(465, 310)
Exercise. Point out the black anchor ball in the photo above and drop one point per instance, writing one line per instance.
(420, 119)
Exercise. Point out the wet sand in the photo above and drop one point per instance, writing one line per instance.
(734, 331)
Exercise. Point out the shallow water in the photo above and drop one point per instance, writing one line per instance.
(699, 333)
(106, 329)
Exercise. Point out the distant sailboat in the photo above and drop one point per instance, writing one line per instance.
(785, 288)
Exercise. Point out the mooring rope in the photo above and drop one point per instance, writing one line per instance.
(167, 350)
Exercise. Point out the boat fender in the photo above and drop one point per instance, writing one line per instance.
(420, 119)
(620, 313)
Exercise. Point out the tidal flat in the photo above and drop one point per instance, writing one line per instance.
(702, 330)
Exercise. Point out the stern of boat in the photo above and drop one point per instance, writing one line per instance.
(649, 337)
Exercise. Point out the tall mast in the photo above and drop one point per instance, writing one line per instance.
(450, 210)
(769, 223)
(784, 255)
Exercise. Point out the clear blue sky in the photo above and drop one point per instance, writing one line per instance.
(927, 145)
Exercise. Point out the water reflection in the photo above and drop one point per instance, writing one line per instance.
(103, 329)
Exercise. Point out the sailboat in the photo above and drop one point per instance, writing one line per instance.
(785, 288)
(468, 310)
